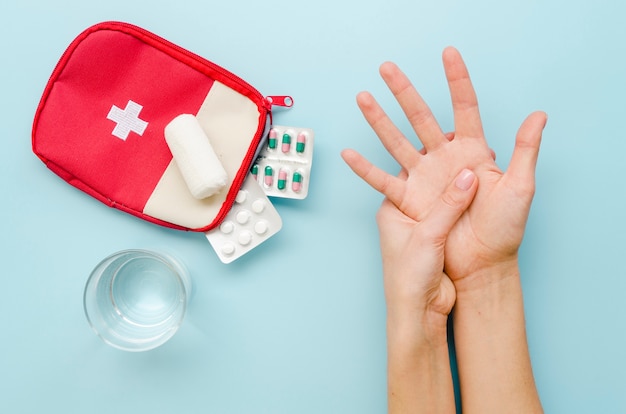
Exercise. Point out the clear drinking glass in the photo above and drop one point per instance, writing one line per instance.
(135, 300)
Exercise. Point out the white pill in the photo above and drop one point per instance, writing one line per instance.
(227, 227)
(228, 249)
(261, 227)
(243, 216)
(258, 206)
(245, 237)
(241, 197)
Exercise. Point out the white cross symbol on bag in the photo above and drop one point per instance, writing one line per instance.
(127, 120)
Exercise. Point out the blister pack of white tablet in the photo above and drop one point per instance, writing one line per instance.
(251, 220)
(283, 167)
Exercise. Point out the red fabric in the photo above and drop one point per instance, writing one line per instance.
(75, 138)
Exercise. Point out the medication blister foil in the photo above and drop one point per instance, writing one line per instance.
(251, 220)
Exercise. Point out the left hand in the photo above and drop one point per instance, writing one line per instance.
(416, 287)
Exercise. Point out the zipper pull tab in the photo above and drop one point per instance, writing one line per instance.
(284, 101)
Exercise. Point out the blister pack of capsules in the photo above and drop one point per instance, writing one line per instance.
(282, 169)
(283, 166)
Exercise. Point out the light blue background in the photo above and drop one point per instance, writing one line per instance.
(298, 325)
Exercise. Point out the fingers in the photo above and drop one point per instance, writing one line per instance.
(388, 185)
(453, 202)
(417, 112)
(392, 139)
(464, 102)
(524, 159)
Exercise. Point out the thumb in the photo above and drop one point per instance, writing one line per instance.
(453, 202)
(524, 159)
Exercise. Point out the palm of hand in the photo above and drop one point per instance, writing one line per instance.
(404, 256)
(491, 229)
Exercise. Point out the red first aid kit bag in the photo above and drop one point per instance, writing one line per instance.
(100, 123)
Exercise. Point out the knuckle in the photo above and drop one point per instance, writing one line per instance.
(452, 200)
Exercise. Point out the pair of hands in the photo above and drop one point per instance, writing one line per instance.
(451, 215)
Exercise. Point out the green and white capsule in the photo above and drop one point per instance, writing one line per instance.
(269, 176)
(286, 144)
(255, 171)
(282, 179)
(300, 142)
(296, 184)
(273, 138)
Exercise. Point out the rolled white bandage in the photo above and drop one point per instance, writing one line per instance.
(198, 163)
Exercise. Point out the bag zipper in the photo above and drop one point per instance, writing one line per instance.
(284, 101)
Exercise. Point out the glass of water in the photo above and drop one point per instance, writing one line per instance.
(135, 300)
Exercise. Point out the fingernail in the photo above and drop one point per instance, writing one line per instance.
(465, 180)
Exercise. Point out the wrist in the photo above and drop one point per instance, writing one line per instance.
(491, 298)
(410, 349)
(416, 326)
(491, 344)
(419, 310)
(418, 365)
(488, 280)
